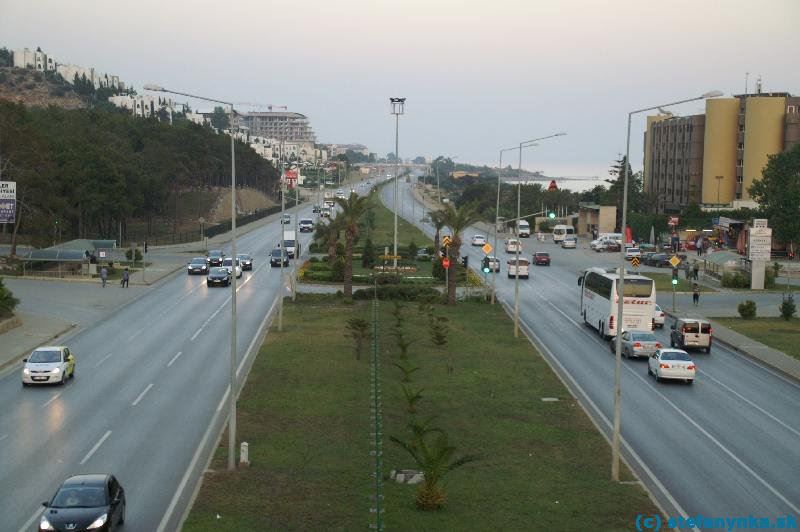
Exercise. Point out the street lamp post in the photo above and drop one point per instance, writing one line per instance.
(397, 109)
(232, 384)
(621, 284)
(526, 144)
(497, 221)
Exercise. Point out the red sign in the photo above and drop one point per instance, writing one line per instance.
(446, 263)
(552, 186)
(291, 178)
(672, 220)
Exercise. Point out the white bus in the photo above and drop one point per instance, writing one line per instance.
(599, 306)
(560, 231)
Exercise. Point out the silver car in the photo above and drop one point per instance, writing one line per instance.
(636, 344)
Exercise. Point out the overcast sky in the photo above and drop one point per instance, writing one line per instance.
(478, 75)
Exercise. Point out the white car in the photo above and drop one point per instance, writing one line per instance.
(632, 252)
(569, 242)
(494, 263)
(478, 240)
(47, 365)
(671, 364)
(286, 219)
(594, 244)
(659, 317)
(306, 225)
(227, 263)
(513, 245)
(521, 269)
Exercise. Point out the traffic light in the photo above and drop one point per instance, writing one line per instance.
(465, 260)
(486, 266)
(551, 215)
(674, 276)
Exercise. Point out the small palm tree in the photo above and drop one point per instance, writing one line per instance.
(329, 234)
(433, 454)
(353, 208)
(438, 222)
(457, 220)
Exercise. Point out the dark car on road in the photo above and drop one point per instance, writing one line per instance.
(275, 257)
(85, 502)
(541, 258)
(245, 261)
(215, 257)
(218, 276)
(659, 260)
(197, 265)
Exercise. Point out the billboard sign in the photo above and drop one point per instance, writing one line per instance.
(760, 243)
(291, 178)
(8, 202)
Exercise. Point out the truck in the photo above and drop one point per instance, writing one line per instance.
(523, 229)
(291, 244)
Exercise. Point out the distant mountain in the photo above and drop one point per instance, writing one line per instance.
(34, 89)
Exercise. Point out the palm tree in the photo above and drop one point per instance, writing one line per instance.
(352, 209)
(329, 234)
(457, 220)
(433, 454)
(438, 223)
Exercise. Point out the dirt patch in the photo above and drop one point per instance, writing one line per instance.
(30, 88)
(248, 200)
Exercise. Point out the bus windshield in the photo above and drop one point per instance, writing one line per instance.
(638, 287)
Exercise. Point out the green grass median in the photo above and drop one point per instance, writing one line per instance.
(305, 413)
(776, 333)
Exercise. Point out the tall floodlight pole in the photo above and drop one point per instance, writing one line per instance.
(526, 144)
(283, 237)
(397, 110)
(497, 222)
(621, 284)
(232, 391)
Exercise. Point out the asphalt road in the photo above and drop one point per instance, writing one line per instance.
(148, 398)
(726, 446)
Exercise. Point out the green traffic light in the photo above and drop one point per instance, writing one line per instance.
(674, 281)
(551, 215)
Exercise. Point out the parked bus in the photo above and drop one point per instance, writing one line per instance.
(560, 231)
(599, 307)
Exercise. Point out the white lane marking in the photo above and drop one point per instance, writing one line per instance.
(195, 335)
(179, 492)
(103, 359)
(134, 335)
(29, 523)
(716, 442)
(174, 358)
(56, 396)
(551, 357)
(141, 395)
(751, 403)
(96, 446)
(764, 367)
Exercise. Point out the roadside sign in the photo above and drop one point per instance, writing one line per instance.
(673, 220)
(390, 257)
(760, 223)
(8, 202)
(487, 248)
(674, 261)
(446, 241)
(759, 244)
(446, 263)
(635, 262)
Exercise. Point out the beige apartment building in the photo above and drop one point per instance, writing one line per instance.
(712, 159)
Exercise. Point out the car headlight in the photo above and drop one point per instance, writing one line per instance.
(26, 371)
(44, 524)
(97, 523)
(55, 370)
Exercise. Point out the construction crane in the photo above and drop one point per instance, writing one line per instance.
(269, 106)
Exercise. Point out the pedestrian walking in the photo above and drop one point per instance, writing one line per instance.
(696, 294)
(104, 275)
(125, 278)
(699, 245)
(696, 270)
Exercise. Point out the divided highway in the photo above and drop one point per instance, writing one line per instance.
(727, 446)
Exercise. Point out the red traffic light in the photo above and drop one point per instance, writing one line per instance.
(446, 263)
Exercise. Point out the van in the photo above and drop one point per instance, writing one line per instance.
(691, 333)
(519, 268)
(291, 244)
(513, 245)
(523, 229)
(610, 236)
(561, 231)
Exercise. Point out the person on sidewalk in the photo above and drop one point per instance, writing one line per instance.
(699, 245)
(696, 270)
(696, 294)
(125, 278)
(104, 275)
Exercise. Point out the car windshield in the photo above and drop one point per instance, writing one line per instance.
(276, 252)
(218, 271)
(229, 262)
(242, 257)
(643, 337)
(199, 261)
(41, 356)
(306, 222)
(79, 497)
(543, 255)
(215, 253)
(675, 355)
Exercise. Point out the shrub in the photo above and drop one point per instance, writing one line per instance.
(735, 280)
(7, 301)
(388, 278)
(747, 309)
(337, 270)
(788, 308)
(368, 254)
(769, 278)
(129, 253)
(411, 250)
(420, 294)
(313, 259)
(438, 270)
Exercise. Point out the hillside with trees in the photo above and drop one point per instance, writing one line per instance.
(91, 173)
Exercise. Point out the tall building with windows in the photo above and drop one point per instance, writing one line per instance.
(285, 126)
(713, 159)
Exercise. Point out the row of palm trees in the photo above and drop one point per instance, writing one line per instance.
(353, 208)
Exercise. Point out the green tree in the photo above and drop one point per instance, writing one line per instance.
(437, 219)
(352, 209)
(7, 301)
(328, 234)
(219, 119)
(778, 193)
(6, 58)
(457, 220)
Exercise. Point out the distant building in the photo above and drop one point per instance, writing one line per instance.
(144, 105)
(342, 149)
(282, 126)
(35, 59)
(713, 159)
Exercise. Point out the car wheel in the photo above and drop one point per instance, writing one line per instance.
(649, 372)
(25, 384)
(72, 375)
(63, 379)
(658, 379)
(690, 381)
(671, 342)
(122, 513)
(708, 349)
(208, 283)
(602, 331)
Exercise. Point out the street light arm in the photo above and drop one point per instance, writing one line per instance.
(710, 94)
(158, 88)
